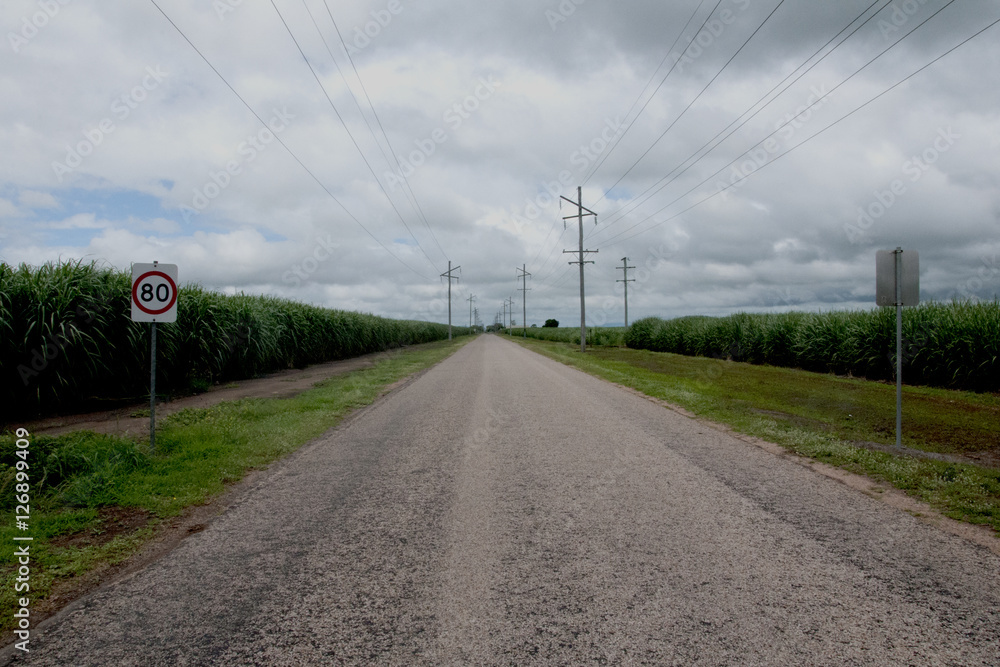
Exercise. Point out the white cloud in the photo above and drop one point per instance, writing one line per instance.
(36, 199)
(8, 209)
(777, 240)
(80, 221)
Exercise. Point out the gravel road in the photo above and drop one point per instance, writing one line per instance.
(503, 509)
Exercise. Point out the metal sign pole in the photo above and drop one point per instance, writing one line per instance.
(154, 297)
(899, 347)
(152, 389)
(897, 283)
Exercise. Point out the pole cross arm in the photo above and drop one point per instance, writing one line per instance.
(579, 206)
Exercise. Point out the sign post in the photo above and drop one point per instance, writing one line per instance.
(154, 299)
(897, 283)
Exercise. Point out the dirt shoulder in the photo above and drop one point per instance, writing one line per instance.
(167, 534)
(125, 422)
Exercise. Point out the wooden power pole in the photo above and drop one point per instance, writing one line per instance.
(450, 278)
(581, 252)
(524, 297)
(626, 267)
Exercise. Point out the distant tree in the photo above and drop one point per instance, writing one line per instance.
(551, 323)
(534, 326)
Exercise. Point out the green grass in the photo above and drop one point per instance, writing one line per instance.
(820, 416)
(76, 477)
(603, 336)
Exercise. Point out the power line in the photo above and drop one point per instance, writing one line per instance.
(617, 139)
(621, 136)
(836, 122)
(340, 71)
(618, 213)
(541, 246)
(792, 119)
(555, 246)
(555, 267)
(283, 144)
(348, 130)
(354, 97)
(635, 204)
(691, 103)
(385, 136)
(711, 144)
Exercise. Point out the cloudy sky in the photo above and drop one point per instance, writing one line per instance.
(743, 154)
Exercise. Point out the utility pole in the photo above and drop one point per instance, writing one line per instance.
(472, 297)
(626, 267)
(510, 309)
(581, 261)
(524, 297)
(450, 278)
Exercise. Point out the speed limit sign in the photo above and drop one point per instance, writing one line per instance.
(154, 292)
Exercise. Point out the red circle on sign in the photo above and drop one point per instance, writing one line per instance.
(173, 293)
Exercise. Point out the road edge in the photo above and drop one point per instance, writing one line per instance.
(925, 513)
(171, 533)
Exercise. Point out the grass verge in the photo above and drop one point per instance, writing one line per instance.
(96, 499)
(840, 421)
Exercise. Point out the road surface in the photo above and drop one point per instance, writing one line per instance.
(503, 509)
